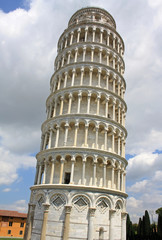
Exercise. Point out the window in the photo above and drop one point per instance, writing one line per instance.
(9, 231)
(21, 224)
(10, 224)
(21, 233)
(67, 178)
(101, 234)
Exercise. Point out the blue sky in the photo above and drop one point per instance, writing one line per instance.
(11, 5)
(28, 44)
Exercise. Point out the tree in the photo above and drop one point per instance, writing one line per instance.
(159, 225)
(129, 229)
(146, 226)
(139, 230)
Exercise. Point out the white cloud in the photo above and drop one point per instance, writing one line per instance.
(138, 186)
(6, 189)
(10, 163)
(20, 206)
(143, 165)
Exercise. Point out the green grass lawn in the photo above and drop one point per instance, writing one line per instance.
(12, 238)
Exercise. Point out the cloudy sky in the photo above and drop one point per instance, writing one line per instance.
(29, 31)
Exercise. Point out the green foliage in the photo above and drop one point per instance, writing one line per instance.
(159, 211)
(159, 226)
(146, 225)
(129, 229)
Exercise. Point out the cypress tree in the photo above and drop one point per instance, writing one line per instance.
(139, 228)
(159, 226)
(128, 227)
(146, 225)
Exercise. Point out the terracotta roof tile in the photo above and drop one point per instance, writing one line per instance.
(8, 213)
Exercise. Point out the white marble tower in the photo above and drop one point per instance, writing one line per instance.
(79, 188)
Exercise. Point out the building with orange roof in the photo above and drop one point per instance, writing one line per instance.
(12, 223)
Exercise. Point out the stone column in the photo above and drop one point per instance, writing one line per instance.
(65, 80)
(71, 37)
(42, 141)
(66, 133)
(79, 101)
(113, 143)
(36, 175)
(73, 76)
(59, 82)
(29, 224)
(91, 223)
(76, 134)
(50, 111)
(61, 170)
(114, 102)
(72, 170)
(70, 101)
(107, 80)
(57, 135)
(105, 142)
(104, 174)
(113, 84)
(84, 53)
(69, 55)
(66, 39)
(93, 34)
(39, 174)
(112, 177)
(90, 76)
(86, 34)
(100, 55)
(96, 143)
(98, 104)
(67, 222)
(119, 107)
(119, 87)
(112, 224)
(83, 169)
(106, 106)
(45, 141)
(101, 36)
(122, 180)
(44, 224)
(86, 135)
(99, 77)
(78, 36)
(45, 169)
(82, 75)
(114, 38)
(118, 145)
(94, 172)
(52, 171)
(118, 186)
(88, 103)
(55, 106)
(63, 58)
(108, 38)
(76, 54)
(123, 225)
(114, 61)
(50, 138)
(108, 58)
(92, 53)
(61, 105)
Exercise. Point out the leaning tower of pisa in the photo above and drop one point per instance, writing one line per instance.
(79, 188)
